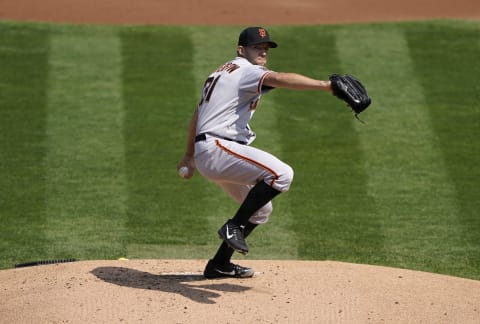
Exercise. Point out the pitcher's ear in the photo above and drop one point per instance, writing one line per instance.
(240, 50)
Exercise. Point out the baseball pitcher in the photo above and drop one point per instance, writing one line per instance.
(219, 142)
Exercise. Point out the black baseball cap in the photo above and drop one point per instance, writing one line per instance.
(255, 35)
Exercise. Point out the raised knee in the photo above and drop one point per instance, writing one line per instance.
(284, 179)
(289, 176)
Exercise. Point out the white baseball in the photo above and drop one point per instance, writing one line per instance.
(183, 171)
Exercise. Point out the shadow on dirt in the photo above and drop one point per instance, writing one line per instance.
(187, 285)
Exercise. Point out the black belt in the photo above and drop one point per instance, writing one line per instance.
(203, 137)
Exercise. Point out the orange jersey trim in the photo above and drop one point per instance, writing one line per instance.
(260, 83)
(260, 165)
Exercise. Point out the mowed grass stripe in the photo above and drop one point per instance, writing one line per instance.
(85, 160)
(330, 213)
(158, 86)
(23, 75)
(455, 113)
(407, 176)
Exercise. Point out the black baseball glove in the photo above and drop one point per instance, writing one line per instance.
(350, 90)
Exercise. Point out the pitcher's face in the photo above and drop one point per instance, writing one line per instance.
(255, 54)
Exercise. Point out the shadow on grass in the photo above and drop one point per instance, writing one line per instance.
(183, 284)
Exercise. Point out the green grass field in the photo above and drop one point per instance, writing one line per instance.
(93, 120)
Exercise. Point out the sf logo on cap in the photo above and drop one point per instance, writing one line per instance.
(262, 32)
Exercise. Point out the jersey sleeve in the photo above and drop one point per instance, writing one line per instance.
(252, 78)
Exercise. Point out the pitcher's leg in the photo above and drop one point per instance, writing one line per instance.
(244, 164)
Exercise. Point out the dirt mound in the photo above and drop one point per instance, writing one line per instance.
(174, 291)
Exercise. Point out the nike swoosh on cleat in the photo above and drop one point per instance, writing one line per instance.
(229, 273)
(229, 236)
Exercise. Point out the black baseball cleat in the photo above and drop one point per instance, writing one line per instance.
(232, 234)
(230, 270)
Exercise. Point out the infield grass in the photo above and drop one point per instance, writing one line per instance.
(93, 120)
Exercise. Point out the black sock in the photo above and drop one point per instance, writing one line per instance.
(249, 229)
(224, 253)
(258, 197)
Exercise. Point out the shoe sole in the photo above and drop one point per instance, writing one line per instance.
(218, 275)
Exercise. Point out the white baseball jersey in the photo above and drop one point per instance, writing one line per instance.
(229, 99)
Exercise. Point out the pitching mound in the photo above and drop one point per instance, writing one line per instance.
(174, 291)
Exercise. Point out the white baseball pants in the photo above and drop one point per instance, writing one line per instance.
(236, 168)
